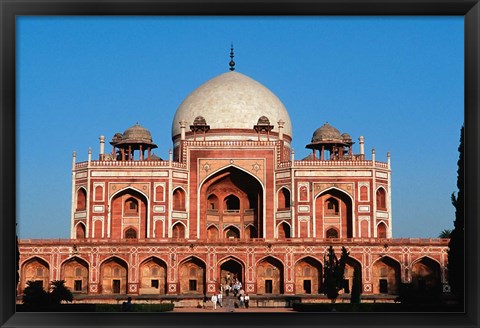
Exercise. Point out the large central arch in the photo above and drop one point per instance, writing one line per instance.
(232, 197)
(333, 214)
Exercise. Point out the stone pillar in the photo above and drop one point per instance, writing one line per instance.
(89, 155)
(183, 125)
(361, 143)
(373, 156)
(280, 129)
(102, 147)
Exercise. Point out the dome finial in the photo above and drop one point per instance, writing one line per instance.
(232, 63)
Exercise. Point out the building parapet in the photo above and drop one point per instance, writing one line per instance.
(196, 242)
(301, 163)
(130, 164)
(231, 143)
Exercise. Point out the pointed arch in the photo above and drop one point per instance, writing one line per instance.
(386, 272)
(350, 265)
(270, 275)
(308, 275)
(75, 272)
(283, 230)
(80, 231)
(381, 197)
(382, 230)
(179, 199)
(114, 276)
(118, 203)
(179, 230)
(36, 269)
(231, 232)
(229, 269)
(130, 233)
(259, 210)
(153, 276)
(331, 232)
(334, 203)
(426, 275)
(283, 199)
(192, 276)
(81, 199)
(212, 232)
(251, 231)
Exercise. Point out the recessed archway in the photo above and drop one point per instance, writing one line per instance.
(129, 208)
(192, 276)
(75, 273)
(386, 276)
(333, 208)
(36, 269)
(153, 276)
(270, 276)
(308, 276)
(426, 275)
(231, 269)
(113, 276)
(231, 196)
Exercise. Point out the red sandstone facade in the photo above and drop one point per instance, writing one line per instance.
(230, 200)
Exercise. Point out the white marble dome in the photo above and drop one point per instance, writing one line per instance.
(231, 101)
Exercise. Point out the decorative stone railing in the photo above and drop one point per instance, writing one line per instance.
(333, 163)
(325, 241)
(130, 164)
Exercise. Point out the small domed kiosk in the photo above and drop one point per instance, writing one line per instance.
(330, 144)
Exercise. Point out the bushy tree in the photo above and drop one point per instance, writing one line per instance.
(59, 292)
(334, 269)
(356, 286)
(445, 233)
(456, 252)
(34, 294)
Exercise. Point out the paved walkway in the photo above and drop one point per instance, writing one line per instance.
(237, 310)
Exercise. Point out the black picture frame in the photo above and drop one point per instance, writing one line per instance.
(9, 9)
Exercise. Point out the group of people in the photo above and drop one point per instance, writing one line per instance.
(232, 285)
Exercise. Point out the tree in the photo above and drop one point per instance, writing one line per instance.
(334, 273)
(59, 292)
(456, 252)
(34, 294)
(356, 286)
(445, 233)
(17, 265)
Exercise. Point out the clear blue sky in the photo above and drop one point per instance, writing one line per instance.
(398, 81)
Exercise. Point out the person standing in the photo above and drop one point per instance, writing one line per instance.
(246, 299)
(220, 297)
(214, 301)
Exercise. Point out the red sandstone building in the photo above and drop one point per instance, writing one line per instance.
(231, 198)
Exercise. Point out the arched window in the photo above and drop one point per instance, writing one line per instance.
(212, 202)
(178, 231)
(179, 200)
(80, 231)
(232, 232)
(232, 203)
(131, 207)
(381, 199)
(283, 199)
(332, 233)
(382, 230)
(331, 206)
(131, 234)
(283, 231)
(81, 199)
